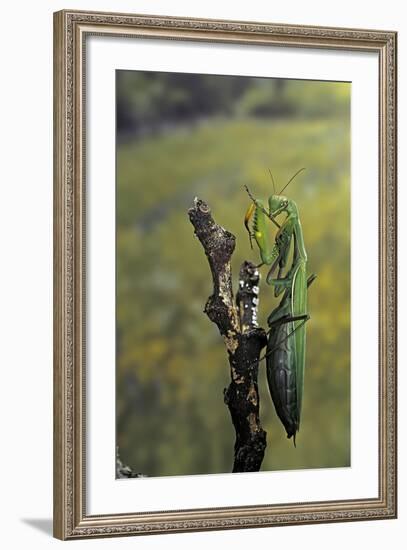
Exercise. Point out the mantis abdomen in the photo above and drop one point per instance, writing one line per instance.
(282, 376)
(285, 356)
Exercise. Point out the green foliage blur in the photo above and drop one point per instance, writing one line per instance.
(181, 136)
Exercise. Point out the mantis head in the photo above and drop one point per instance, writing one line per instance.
(278, 204)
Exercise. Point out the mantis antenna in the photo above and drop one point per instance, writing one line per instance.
(272, 179)
(287, 184)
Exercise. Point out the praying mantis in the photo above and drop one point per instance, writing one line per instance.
(286, 344)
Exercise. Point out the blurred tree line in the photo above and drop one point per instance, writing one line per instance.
(163, 99)
(171, 362)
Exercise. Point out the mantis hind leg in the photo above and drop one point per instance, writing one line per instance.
(277, 255)
(276, 317)
(286, 319)
(280, 284)
(278, 288)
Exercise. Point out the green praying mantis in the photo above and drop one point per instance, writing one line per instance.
(286, 347)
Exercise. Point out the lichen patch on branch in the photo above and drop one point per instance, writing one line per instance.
(236, 377)
(231, 341)
(226, 295)
(252, 395)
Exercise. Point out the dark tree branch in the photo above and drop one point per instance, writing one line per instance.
(219, 245)
(237, 323)
(123, 471)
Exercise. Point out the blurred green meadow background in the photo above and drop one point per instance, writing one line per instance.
(185, 135)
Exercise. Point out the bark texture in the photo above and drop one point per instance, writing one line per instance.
(244, 340)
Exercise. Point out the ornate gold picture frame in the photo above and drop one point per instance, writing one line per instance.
(72, 519)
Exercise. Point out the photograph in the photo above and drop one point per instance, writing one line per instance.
(269, 159)
(224, 274)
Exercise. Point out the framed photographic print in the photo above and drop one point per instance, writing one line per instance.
(225, 274)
